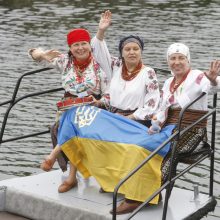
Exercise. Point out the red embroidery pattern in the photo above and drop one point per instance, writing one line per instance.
(174, 86)
(199, 78)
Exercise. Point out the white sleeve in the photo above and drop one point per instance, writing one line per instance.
(214, 89)
(151, 99)
(57, 63)
(161, 113)
(102, 56)
(103, 81)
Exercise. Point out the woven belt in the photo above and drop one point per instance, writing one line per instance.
(121, 111)
(69, 102)
(189, 117)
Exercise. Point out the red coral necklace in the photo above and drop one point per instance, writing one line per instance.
(80, 67)
(125, 73)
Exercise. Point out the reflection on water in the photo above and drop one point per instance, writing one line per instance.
(26, 24)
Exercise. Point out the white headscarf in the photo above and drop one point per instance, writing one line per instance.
(178, 48)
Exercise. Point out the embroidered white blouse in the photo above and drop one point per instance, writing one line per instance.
(92, 81)
(195, 83)
(141, 93)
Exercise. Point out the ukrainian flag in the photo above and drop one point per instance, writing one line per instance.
(108, 146)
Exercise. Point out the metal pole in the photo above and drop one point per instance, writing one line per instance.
(212, 158)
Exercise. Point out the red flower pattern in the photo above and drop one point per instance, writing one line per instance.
(199, 78)
(151, 103)
(171, 99)
(151, 74)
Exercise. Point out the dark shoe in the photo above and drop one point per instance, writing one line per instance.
(65, 186)
(126, 206)
(160, 198)
(101, 190)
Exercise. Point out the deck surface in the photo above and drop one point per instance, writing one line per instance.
(36, 197)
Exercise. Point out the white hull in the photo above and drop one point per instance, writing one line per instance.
(36, 197)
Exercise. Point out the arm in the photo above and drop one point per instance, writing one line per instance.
(49, 58)
(104, 82)
(160, 116)
(212, 76)
(99, 47)
(104, 102)
(213, 72)
(151, 99)
(104, 23)
(38, 54)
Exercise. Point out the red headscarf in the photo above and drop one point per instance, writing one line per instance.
(77, 35)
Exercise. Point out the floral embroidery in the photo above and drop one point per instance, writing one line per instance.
(171, 99)
(96, 66)
(148, 117)
(151, 103)
(151, 74)
(199, 78)
(116, 62)
(90, 80)
(153, 85)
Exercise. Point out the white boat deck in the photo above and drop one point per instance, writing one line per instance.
(36, 197)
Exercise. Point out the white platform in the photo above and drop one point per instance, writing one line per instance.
(36, 197)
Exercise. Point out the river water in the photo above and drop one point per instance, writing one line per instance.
(28, 23)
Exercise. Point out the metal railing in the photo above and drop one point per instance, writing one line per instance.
(14, 100)
(175, 138)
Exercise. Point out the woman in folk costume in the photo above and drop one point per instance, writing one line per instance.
(108, 146)
(180, 89)
(80, 74)
(134, 89)
(82, 79)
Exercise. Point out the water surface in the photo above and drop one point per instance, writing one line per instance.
(26, 24)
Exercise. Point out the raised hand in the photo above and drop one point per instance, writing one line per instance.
(49, 55)
(213, 72)
(38, 54)
(105, 20)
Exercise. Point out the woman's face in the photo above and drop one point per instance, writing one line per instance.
(178, 64)
(131, 53)
(80, 50)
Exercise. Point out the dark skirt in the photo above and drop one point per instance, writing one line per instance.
(61, 158)
(186, 145)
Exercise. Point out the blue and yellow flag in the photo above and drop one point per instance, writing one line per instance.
(108, 146)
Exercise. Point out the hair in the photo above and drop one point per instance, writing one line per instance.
(132, 38)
